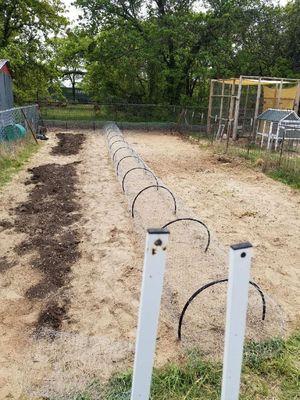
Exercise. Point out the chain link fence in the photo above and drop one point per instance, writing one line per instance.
(282, 163)
(140, 116)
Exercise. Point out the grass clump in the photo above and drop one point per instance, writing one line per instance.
(289, 177)
(285, 168)
(13, 158)
(270, 371)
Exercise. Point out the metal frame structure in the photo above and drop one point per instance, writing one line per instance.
(234, 104)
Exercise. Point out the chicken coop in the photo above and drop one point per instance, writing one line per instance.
(236, 103)
(275, 126)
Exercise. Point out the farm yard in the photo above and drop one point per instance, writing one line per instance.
(72, 256)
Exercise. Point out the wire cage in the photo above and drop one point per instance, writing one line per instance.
(275, 125)
(235, 104)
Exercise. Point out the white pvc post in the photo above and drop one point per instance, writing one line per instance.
(237, 302)
(152, 284)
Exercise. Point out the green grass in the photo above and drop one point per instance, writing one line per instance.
(286, 170)
(291, 178)
(117, 112)
(87, 112)
(270, 371)
(13, 159)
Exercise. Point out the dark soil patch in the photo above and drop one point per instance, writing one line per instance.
(46, 218)
(69, 144)
(5, 264)
(4, 224)
(53, 315)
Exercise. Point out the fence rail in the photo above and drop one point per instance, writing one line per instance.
(138, 113)
(282, 162)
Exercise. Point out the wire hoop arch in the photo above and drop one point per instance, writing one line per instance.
(148, 187)
(264, 308)
(116, 141)
(109, 132)
(120, 148)
(123, 158)
(194, 220)
(135, 168)
(115, 135)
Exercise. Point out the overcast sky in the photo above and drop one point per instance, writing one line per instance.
(72, 12)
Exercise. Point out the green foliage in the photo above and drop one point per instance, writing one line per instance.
(166, 51)
(25, 27)
(69, 56)
(116, 112)
(288, 176)
(133, 51)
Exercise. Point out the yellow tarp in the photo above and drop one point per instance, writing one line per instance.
(286, 101)
(253, 82)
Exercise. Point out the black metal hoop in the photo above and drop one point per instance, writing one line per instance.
(118, 137)
(132, 169)
(148, 187)
(123, 158)
(108, 133)
(114, 132)
(195, 220)
(110, 145)
(211, 284)
(120, 148)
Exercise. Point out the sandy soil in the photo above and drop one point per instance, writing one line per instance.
(98, 337)
(99, 333)
(238, 204)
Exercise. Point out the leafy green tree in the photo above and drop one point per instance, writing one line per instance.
(70, 53)
(166, 50)
(25, 28)
(292, 38)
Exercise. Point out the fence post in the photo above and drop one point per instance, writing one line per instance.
(152, 284)
(29, 125)
(237, 302)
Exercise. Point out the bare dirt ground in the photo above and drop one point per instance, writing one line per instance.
(238, 204)
(96, 334)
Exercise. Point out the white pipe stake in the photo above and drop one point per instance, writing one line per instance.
(152, 285)
(237, 302)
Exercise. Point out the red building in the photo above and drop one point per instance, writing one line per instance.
(6, 92)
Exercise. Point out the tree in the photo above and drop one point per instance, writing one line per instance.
(70, 57)
(165, 50)
(25, 28)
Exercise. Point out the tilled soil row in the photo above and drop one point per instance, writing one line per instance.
(69, 144)
(46, 218)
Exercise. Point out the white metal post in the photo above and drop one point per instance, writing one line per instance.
(237, 302)
(270, 135)
(263, 134)
(152, 284)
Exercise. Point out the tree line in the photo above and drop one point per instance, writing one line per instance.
(158, 52)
